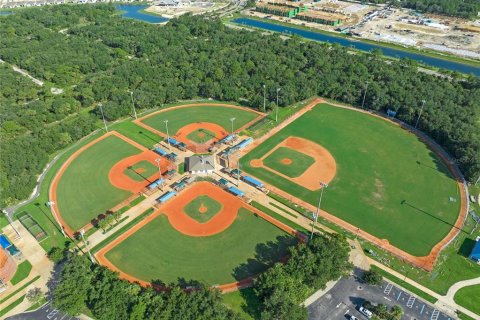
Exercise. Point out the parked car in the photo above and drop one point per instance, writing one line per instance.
(365, 312)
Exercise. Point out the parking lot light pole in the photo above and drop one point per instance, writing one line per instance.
(51, 205)
(315, 217)
(11, 222)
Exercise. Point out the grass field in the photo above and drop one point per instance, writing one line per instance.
(386, 178)
(84, 191)
(245, 248)
(141, 171)
(178, 118)
(469, 297)
(133, 131)
(202, 208)
(245, 302)
(201, 135)
(299, 162)
(23, 270)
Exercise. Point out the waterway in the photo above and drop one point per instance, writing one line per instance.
(134, 12)
(357, 44)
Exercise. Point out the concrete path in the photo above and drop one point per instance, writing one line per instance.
(459, 285)
(41, 266)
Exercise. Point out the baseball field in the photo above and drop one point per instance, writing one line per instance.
(386, 181)
(159, 251)
(84, 190)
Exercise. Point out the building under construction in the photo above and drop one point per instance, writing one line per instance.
(283, 8)
(330, 19)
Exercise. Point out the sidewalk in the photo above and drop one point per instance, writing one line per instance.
(41, 266)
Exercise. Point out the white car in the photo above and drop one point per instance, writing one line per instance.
(365, 312)
(353, 318)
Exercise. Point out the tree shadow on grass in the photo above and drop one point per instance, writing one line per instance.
(252, 302)
(266, 254)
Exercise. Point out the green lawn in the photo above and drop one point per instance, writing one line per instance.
(210, 207)
(245, 248)
(201, 135)
(178, 118)
(469, 297)
(137, 133)
(141, 171)
(84, 190)
(23, 270)
(244, 302)
(386, 178)
(299, 162)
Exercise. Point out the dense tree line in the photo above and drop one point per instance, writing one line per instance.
(456, 8)
(98, 57)
(280, 291)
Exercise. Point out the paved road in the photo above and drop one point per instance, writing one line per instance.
(45, 312)
(349, 293)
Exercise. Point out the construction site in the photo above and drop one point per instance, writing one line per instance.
(382, 23)
(174, 8)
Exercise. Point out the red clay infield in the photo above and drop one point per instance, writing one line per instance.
(188, 226)
(219, 131)
(426, 262)
(184, 131)
(323, 170)
(117, 176)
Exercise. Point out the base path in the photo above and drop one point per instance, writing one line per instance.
(191, 145)
(120, 181)
(184, 131)
(199, 188)
(322, 170)
(427, 262)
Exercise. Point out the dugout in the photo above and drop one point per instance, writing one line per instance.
(475, 254)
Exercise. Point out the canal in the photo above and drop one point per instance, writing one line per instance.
(390, 52)
(134, 12)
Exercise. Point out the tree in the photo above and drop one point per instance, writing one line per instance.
(55, 254)
(397, 312)
(34, 295)
(372, 277)
(71, 293)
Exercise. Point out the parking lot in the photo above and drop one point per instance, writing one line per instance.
(45, 312)
(349, 293)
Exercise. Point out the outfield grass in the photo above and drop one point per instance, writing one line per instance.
(469, 297)
(211, 206)
(299, 162)
(201, 135)
(141, 171)
(23, 270)
(247, 247)
(84, 190)
(178, 118)
(139, 134)
(386, 178)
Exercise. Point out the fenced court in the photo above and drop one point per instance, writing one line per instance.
(32, 226)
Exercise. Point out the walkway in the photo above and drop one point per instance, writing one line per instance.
(459, 285)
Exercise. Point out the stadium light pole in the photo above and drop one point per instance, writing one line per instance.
(420, 114)
(232, 120)
(365, 93)
(51, 204)
(324, 185)
(276, 112)
(133, 104)
(264, 97)
(238, 168)
(11, 222)
(168, 136)
(103, 117)
(158, 160)
(82, 232)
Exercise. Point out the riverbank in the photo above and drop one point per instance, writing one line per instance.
(381, 45)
